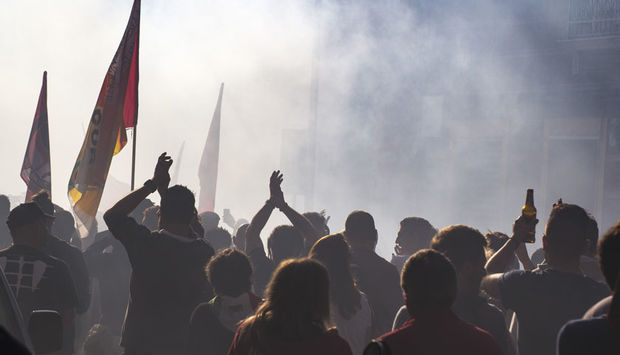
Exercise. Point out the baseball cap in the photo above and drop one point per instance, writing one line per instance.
(24, 214)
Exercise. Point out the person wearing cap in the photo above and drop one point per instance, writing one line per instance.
(375, 276)
(62, 250)
(38, 281)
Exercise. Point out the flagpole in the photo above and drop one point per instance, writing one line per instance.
(133, 156)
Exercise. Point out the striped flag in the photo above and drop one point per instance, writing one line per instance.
(36, 168)
(207, 172)
(116, 110)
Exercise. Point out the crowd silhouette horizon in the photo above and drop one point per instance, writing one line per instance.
(166, 279)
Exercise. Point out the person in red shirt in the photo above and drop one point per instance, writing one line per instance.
(294, 316)
(429, 284)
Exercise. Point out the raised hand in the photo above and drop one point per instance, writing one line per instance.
(523, 227)
(275, 191)
(161, 176)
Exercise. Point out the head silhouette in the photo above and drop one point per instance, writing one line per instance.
(210, 220)
(495, 241)
(285, 242)
(566, 233)
(609, 255)
(28, 225)
(219, 238)
(5, 206)
(296, 305)
(333, 251)
(239, 237)
(64, 226)
(150, 218)
(138, 213)
(415, 233)
(230, 273)
(464, 247)
(177, 207)
(429, 282)
(42, 199)
(360, 230)
(319, 222)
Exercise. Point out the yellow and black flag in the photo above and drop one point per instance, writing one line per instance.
(116, 110)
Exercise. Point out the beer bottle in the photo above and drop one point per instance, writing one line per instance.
(529, 211)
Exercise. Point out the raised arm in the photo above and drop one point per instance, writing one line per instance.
(499, 262)
(129, 203)
(252, 234)
(301, 223)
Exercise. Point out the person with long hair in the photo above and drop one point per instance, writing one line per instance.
(294, 317)
(351, 312)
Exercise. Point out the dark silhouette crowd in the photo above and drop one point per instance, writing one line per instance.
(165, 279)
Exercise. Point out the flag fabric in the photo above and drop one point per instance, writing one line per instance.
(209, 161)
(36, 168)
(116, 109)
(177, 164)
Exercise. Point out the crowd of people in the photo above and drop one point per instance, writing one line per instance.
(167, 280)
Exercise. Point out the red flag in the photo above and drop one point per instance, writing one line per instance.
(116, 109)
(209, 161)
(36, 169)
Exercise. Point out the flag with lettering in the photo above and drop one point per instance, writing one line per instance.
(116, 109)
(36, 168)
(207, 172)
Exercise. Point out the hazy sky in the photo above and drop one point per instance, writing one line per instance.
(383, 69)
(260, 49)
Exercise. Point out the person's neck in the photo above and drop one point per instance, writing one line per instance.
(180, 229)
(362, 248)
(426, 312)
(570, 266)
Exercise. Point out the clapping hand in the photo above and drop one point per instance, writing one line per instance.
(275, 191)
(161, 176)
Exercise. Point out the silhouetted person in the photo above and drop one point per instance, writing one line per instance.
(71, 255)
(213, 324)
(219, 238)
(64, 228)
(538, 257)
(546, 298)
(168, 279)
(5, 236)
(430, 285)
(464, 247)
(38, 280)
(319, 222)
(375, 276)
(108, 263)
(495, 241)
(197, 227)
(210, 220)
(294, 317)
(599, 335)
(151, 218)
(284, 242)
(350, 310)
(415, 233)
(239, 237)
